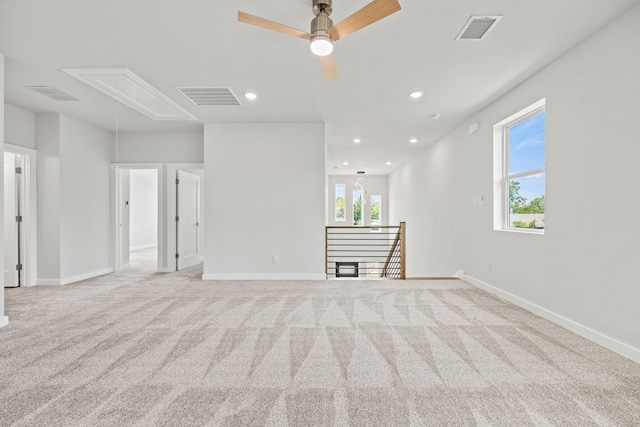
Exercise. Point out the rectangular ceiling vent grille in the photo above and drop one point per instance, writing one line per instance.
(477, 27)
(53, 93)
(209, 95)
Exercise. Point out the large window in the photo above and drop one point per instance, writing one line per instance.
(520, 145)
(357, 207)
(376, 210)
(340, 203)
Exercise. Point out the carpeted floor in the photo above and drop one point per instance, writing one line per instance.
(140, 348)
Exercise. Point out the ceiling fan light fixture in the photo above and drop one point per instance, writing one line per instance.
(321, 44)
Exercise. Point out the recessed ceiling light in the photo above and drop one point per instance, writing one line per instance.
(388, 163)
(357, 140)
(250, 95)
(346, 163)
(417, 94)
(413, 140)
(435, 116)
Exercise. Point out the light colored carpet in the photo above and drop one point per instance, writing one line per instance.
(138, 348)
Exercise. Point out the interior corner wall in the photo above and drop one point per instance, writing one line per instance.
(85, 207)
(373, 184)
(47, 135)
(579, 273)
(3, 319)
(264, 196)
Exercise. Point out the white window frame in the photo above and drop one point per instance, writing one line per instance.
(501, 176)
(335, 203)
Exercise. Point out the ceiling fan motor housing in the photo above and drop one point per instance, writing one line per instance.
(321, 23)
(322, 6)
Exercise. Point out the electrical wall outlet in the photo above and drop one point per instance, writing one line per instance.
(487, 266)
(274, 259)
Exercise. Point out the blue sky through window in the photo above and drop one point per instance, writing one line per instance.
(527, 144)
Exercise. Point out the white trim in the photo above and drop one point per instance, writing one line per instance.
(85, 276)
(170, 206)
(139, 248)
(188, 261)
(117, 83)
(47, 282)
(4, 321)
(115, 209)
(215, 276)
(582, 330)
(30, 213)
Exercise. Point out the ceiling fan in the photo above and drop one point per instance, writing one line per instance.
(323, 33)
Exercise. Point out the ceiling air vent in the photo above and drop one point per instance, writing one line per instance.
(53, 93)
(209, 95)
(477, 27)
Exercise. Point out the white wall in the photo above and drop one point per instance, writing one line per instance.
(159, 148)
(3, 319)
(143, 224)
(74, 215)
(48, 177)
(20, 126)
(186, 149)
(85, 214)
(373, 184)
(580, 273)
(264, 196)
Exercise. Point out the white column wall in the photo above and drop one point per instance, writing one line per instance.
(85, 214)
(47, 134)
(580, 273)
(264, 196)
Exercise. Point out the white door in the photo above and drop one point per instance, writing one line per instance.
(187, 218)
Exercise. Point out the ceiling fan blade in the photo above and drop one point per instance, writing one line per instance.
(270, 25)
(369, 14)
(329, 68)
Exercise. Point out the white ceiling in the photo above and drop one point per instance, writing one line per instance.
(173, 43)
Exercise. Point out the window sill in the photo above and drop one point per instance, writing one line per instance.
(539, 231)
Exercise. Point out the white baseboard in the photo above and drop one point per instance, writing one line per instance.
(188, 261)
(85, 276)
(582, 330)
(214, 276)
(47, 282)
(139, 248)
(125, 266)
(4, 321)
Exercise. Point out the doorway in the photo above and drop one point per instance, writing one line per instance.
(19, 217)
(138, 239)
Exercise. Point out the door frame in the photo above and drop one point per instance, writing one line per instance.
(29, 214)
(172, 170)
(116, 252)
